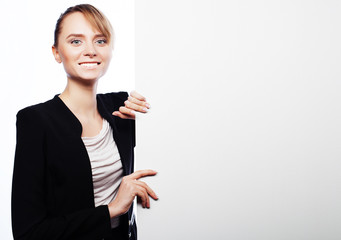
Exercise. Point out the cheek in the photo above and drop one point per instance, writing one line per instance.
(70, 54)
(106, 54)
(109, 58)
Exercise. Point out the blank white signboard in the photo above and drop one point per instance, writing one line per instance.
(244, 128)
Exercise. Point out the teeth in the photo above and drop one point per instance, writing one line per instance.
(88, 64)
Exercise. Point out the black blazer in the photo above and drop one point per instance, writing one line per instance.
(52, 191)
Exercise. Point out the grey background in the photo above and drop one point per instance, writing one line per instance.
(245, 121)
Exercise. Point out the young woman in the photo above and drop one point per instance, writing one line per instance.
(73, 173)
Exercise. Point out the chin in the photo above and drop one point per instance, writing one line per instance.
(85, 79)
(91, 76)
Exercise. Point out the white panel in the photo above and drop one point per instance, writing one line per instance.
(244, 128)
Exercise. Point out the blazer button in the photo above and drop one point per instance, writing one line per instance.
(129, 235)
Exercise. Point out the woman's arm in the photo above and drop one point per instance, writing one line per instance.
(31, 218)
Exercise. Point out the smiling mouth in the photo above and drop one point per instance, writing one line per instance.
(89, 64)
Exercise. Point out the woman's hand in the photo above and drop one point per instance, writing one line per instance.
(129, 188)
(135, 102)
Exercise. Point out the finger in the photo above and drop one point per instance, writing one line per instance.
(118, 114)
(146, 196)
(137, 95)
(142, 173)
(138, 102)
(135, 107)
(123, 116)
(140, 199)
(148, 189)
(127, 111)
(141, 192)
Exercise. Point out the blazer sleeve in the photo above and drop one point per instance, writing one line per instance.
(113, 101)
(124, 96)
(30, 218)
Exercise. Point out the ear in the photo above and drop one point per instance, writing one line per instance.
(56, 54)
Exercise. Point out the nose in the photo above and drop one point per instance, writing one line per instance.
(90, 50)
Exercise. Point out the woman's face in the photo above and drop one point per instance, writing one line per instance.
(83, 50)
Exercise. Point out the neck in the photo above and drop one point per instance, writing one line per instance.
(81, 99)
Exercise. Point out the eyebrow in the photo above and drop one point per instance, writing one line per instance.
(82, 35)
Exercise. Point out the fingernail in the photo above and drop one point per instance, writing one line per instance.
(145, 109)
(147, 105)
(132, 112)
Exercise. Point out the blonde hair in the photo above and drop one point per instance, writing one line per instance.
(96, 18)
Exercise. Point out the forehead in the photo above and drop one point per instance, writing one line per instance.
(78, 24)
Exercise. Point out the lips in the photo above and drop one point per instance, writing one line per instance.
(89, 64)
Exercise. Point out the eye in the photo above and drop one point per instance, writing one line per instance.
(75, 41)
(101, 41)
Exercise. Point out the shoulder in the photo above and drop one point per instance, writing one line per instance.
(36, 112)
(33, 110)
(112, 100)
(30, 122)
(113, 96)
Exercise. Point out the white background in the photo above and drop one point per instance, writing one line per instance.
(29, 73)
(245, 122)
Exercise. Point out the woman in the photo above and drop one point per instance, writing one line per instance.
(73, 173)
